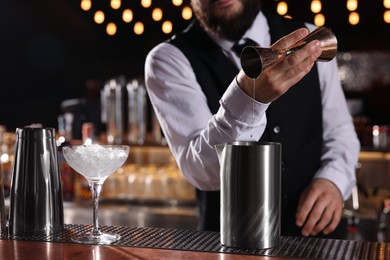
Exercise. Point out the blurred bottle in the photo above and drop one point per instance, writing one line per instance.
(64, 138)
(363, 127)
(3, 129)
(137, 108)
(351, 208)
(383, 229)
(381, 137)
(6, 158)
(3, 217)
(113, 100)
(3, 220)
(353, 232)
(87, 133)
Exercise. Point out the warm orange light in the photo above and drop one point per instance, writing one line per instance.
(127, 15)
(352, 5)
(354, 18)
(157, 14)
(319, 19)
(186, 13)
(146, 3)
(86, 5)
(99, 17)
(111, 29)
(177, 2)
(139, 28)
(115, 4)
(386, 16)
(282, 8)
(316, 6)
(386, 4)
(167, 27)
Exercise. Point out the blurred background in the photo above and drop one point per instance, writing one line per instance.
(51, 51)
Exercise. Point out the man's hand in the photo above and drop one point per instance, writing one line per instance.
(278, 78)
(319, 208)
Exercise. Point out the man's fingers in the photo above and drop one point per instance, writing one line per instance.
(319, 208)
(306, 203)
(325, 219)
(290, 39)
(297, 65)
(335, 221)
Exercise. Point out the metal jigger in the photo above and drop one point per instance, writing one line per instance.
(254, 59)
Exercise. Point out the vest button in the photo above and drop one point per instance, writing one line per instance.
(276, 129)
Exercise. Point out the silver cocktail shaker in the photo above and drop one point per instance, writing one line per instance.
(36, 205)
(250, 194)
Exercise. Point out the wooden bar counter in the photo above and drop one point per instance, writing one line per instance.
(164, 243)
(31, 250)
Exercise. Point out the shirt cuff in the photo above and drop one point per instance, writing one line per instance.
(342, 181)
(241, 106)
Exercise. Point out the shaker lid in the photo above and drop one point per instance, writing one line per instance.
(35, 131)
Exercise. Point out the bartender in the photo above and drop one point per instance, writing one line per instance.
(202, 98)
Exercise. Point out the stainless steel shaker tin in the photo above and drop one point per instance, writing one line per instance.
(250, 175)
(36, 205)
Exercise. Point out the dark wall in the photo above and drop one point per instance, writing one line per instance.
(50, 50)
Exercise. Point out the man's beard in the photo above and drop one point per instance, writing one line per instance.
(232, 28)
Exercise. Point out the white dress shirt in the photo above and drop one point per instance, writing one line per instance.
(192, 131)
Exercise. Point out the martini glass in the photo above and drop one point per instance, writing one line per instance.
(96, 162)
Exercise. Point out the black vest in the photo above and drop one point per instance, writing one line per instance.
(294, 119)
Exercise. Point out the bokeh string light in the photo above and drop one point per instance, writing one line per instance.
(105, 13)
(386, 14)
(319, 19)
(354, 17)
(143, 16)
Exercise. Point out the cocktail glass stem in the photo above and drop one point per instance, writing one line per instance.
(95, 187)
